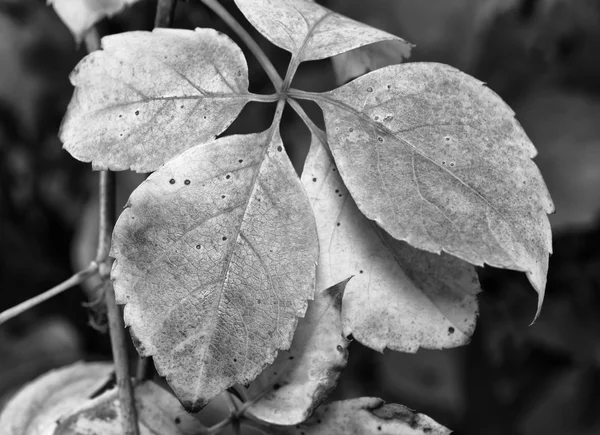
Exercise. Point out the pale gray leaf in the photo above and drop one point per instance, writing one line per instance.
(80, 15)
(35, 409)
(399, 297)
(362, 416)
(148, 96)
(300, 379)
(307, 29)
(438, 160)
(215, 260)
(159, 413)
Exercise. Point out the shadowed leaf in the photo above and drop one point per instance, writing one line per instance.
(35, 409)
(438, 160)
(159, 413)
(215, 260)
(399, 297)
(148, 96)
(300, 379)
(308, 30)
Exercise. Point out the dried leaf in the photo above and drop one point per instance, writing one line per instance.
(308, 30)
(366, 415)
(399, 297)
(80, 15)
(148, 96)
(301, 378)
(159, 413)
(437, 159)
(35, 409)
(215, 259)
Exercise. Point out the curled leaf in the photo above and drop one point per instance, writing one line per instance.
(366, 415)
(299, 380)
(307, 29)
(215, 261)
(438, 160)
(148, 96)
(399, 297)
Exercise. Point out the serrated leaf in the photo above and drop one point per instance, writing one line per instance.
(159, 413)
(437, 159)
(399, 297)
(35, 409)
(308, 30)
(301, 378)
(148, 96)
(80, 15)
(365, 415)
(215, 260)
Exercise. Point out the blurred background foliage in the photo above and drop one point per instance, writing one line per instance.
(541, 56)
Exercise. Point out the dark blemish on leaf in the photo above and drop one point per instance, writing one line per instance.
(338, 224)
(452, 164)
(198, 246)
(137, 112)
(388, 118)
(451, 330)
(172, 181)
(360, 271)
(120, 116)
(276, 387)
(314, 180)
(379, 138)
(339, 348)
(427, 430)
(340, 195)
(333, 169)
(369, 89)
(319, 421)
(337, 190)
(177, 420)
(389, 86)
(224, 238)
(378, 427)
(187, 182)
(121, 134)
(291, 357)
(204, 117)
(376, 118)
(279, 148)
(447, 138)
(241, 161)
(227, 176)
(235, 360)
(181, 107)
(222, 196)
(443, 162)
(350, 129)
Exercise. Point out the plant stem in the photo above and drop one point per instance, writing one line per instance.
(165, 12)
(129, 421)
(260, 55)
(76, 279)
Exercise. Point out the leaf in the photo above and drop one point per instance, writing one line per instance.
(301, 378)
(399, 297)
(365, 415)
(35, 409)
(308, 30)
(80, 15)
(347, 66)
(437, 159)
(148, 96)
(159, 413)
(215, 260)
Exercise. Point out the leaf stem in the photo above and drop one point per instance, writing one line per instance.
(76, 279)
(309, 122)
(165, 12)
(258, 52)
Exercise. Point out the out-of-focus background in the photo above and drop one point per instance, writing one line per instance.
(541, 56)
